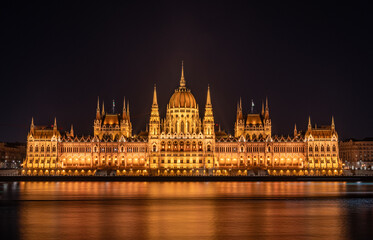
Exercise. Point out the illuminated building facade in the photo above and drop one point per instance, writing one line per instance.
(357, 154)
(182, 143)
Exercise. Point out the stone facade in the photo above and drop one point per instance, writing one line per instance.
(182, 143)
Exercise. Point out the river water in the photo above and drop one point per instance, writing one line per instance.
(186, 210)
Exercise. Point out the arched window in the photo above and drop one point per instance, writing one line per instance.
(48, 148)
(328, 148)
(334, 148)
(209, 148)
(194, 146)
(175, 146)
(199, 146)
(310, 149)
(42, 149)
(162, 146)
(54, 149)
(154, 148)
(169, 145)
(322, 148)
(316, 148)
(31, 148)
(181, 146)
(182, 127)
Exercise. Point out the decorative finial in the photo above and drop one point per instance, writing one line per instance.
(333, 125)
(155, 102)
(208, 101)
(182, 79)
(55, 123)
(252, 106)
(113, 106)
(309, 123)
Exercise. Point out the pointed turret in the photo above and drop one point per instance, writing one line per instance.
(208, 100)
(266, 114)
(32, 126)
(128, 110)
(309, 123)
(182, 79)
(262, 109)
(55, 124)
(154, 123)
(72, 131)
(124, 114)
(103, 109)
(98, 116)
(295, 130)
(333, 126)
(155, 102)
(208, 120)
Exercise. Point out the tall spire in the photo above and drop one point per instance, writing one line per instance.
(155, 102)
(32, 126)
(295, 130)
(240, 104)
(309, 123)
(124, 108)
(182, 79)
(262, 108)
(128, 109)
(98, 108)
(55, 124)
(333, 125)
(103, 108)
(72, 131)
(208, 100)
(266, 114)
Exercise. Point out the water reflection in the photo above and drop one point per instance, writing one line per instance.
(170, 210)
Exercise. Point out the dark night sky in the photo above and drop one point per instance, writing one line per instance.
(309, 59)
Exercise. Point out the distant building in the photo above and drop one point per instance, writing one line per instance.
(357, 154)
(182, 143)
(12, 155)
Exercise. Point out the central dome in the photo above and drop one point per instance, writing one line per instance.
(182, 96)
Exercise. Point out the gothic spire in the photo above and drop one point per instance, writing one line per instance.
(333, 125)
(124, 108)
(262, 108)
(295, 130)
(182, 79)
(309, 123)
(208, 101)
(72, 131)
(55, 124)
(267, 109)
(155, 102)
(32, 125)
(98, 108)
(103, 108)
(128, 109)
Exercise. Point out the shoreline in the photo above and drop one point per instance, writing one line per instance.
(188, 178)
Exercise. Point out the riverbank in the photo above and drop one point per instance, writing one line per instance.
(190, 178)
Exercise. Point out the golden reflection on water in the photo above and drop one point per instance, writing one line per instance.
(183, 210)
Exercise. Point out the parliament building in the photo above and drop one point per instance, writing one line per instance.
(182, 144)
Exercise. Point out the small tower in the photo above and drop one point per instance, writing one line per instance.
(239, 127)
(32, 126)
(72, 131)
(208, 120)
(55, 125)
(103, 109)
(295, 130)
(267, 121)
(309, 123)
(125, 123)
(154, 123)
(333, 125)
(98, 116)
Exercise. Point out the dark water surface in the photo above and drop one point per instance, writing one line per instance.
(186, 210)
